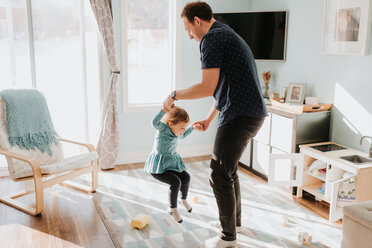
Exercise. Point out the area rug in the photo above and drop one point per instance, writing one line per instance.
(270, 218)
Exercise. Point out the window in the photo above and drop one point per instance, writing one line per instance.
(15, 68)
(148, 51)
(53, 46)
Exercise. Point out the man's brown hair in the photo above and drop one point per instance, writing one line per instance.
(177, 115)
(198, 9)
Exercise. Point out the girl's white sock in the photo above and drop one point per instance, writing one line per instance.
(175, 214)
(186, 205)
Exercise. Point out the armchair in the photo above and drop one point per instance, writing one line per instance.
(45, 170)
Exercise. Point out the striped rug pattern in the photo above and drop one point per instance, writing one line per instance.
(270, 217)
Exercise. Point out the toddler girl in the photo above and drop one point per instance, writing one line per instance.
(164, 163)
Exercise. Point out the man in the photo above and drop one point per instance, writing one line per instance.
(229, 74)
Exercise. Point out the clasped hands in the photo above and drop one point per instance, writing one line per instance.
(168, 105)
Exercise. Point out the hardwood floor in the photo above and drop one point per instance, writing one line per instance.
(70, 218)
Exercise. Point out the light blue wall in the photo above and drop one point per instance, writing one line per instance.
(136, 133)
(343, 80)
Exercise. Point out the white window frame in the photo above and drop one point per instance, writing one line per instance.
(32, 51)
(175, 22)
(4, 169)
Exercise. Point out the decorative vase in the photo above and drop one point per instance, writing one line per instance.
(266, 77)
(265, 89)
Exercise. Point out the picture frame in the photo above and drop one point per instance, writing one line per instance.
(346, 27)
(296, 93)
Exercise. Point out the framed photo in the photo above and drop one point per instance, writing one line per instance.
(346, 27)
(296, 93)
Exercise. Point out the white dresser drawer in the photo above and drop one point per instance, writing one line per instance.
(281, 133)
(263, 135)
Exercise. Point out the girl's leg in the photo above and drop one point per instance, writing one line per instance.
(171, 178)
(185, 184)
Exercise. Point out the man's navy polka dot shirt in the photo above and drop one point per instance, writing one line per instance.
(238, 91)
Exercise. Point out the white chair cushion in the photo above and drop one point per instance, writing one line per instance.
(17, 167)
(78, 161)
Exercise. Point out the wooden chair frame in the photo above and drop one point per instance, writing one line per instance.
(40, 185)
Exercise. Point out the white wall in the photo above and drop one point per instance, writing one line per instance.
(343, 80)
(136, 132)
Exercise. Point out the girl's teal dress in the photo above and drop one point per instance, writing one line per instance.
(164, 155)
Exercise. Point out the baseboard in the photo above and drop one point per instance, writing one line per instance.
(185, 152)
(4, 172)
(194, 151)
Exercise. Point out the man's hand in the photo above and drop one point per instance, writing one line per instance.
(198, 127)
(164, 110)
(201, 125)
(168, 104)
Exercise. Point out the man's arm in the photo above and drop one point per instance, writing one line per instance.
(213, 112)
(211, 115)
(204, 89)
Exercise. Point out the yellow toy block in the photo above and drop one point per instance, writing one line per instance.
(140, 221)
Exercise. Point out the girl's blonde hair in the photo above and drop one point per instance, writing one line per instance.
(176, 115)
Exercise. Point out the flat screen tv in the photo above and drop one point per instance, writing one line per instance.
(265, 32)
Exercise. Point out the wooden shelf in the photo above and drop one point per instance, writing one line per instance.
(313, 189)
(299, 108)
(320, 176)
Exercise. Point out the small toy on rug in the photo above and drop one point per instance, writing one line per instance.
(305, 238)
(199, 200)
(140, 221)
(285, 220)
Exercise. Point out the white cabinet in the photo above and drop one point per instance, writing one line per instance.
(286, 166)
(246, 156)
(263, 135)
(260, 157)
(340, 183)
(280, 162)
(282, 132)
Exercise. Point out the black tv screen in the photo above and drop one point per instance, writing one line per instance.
(264, 32)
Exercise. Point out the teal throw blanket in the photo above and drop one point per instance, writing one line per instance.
(28, 120)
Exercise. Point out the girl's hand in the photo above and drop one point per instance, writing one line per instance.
(168, 104)
(197, 127)
(166, 110)
(201, 125)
